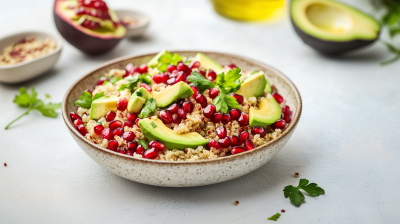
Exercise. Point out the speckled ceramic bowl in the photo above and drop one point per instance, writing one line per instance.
(184, 174)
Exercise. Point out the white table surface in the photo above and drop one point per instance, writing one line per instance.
(347, 141)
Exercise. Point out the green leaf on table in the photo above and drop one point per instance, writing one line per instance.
(48, 96)
(295, 195)
(23, 99)
(148, 108)
(48, 110)
(275, 217)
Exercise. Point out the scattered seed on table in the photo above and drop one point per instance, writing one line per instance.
(296, 174)
(236, 203)
(283, 210)
(5, 164)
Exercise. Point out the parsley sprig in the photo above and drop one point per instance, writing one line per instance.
(296, 196)
(133, 81)
(30, 101)
(275, 217)
(148, 108)
(167, 59)
(86, 100)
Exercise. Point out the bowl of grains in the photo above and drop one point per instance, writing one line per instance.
(182, 119)
(135, 22)
(26, 55)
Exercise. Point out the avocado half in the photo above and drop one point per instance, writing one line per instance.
(87, 40)
(331, 27)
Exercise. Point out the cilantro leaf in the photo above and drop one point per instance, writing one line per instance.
(200, 82)
(85, 100)
(312, 189)
(295, 195)
(48, 110)
(97, 96)
(231, 81)
(224, 102)
(133, 81)
(148, 108)
(23, 99)
(144, 143)
(275, 217)
(113, 79)
(167, 59)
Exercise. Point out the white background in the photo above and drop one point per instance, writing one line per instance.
(347, 140)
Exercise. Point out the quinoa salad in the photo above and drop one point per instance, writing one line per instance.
(177, 108)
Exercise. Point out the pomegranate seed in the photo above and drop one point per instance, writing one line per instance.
(132, 146)
(235, 114)
(165, 78)
(171, 68)
(74, 116)
(287, 117)
(195, 90)
(279, 124)
(209, 111)
(107, 134)
(137, 121)
(77, 123)
(184, 68)
(129, 69)
(226, 118)
(113, 145)
(140, 150)
(202, 100)
(177, 120)
(143, 69)
(211, 75)
(239, 98)
(188, 107)
(5, 164)
(180, 77)
(98, 129)
(151, 153)
(238, 149)
(213, 144)
(110, 116)
(101, 82)
(217, 117)
(224, 142)
(194, 64)
(234, 140)
(221, 132)
(118, 132)
(181, 114)
(243, 137)
(241, 130)
(165, 117)
(286, 109)
(171, 81)
(100, 5)
(128, 124)
(115, 124)
(173, 109)
(232, 66)
(122, 151)
(158, 78)
(129, 153)
(88, 90)
(129, 136)
(147, 87)
(174, 74)
(157, 145)
(80, 11)
(243, 119)
(203, 73)
(82, 129)
(122, 104)
(131, 116)
(278, 98)
(249, 145)
(213, 92)
(259, 130)
(282, 210)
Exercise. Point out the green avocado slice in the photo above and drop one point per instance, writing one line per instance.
(137, 100)
(177, 91)
(207, 62)
(102, 106)
(268, 113)
(156, 130)
(154, 61)
(253, 86)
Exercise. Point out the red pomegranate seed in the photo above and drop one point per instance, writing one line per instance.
(173, 109)
(82, 129)
(241, 130)
(122, 151)
(203, 73)
(151, 153)
(282, 210)
(195, 90)
(98, 129)
(209, 111)
(232, 66)
(115, 124)
(211, 75)
(279, 124)
(118, 132)
(131, 116)
(213, 144)
(129, 68)
(110, 116)
(100, 5)
(131, 146)
(286, 109)
(243, 137)
(143, 69)
(5, 164)
(188, 107)
(77, 123)
(224, 142)
(80, 11)
(259, 130)
(113, 145)
(88, 90)
(217, 117)
(74, 116)
(249, 145)
(180, 102)
(237, 149)
(107, 134)
(194, 64)
(140, 150)
(157, 145)
(278, 98)
(128, 124)
(174, 74)
(147, 87)
(129, 136)
(239, 98)
(171, 81)
(235, 114)
(137, 121)
(181, 114)
(158, 78)
(184, 68)
(213, 92)
(221, 132)
(243, 119)
(234, 140)
(122, 104)
(171, 68)
(287, 117)
(165, 117)
(202, 100)
(180, 77)
(165, 78)
(177, 120)
(226, 118)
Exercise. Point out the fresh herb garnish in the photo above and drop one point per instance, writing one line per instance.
(230, 82)
(24, 99)
(167, 59)
(86, 100)
(223, 102)
(153, 124)
(200, 82)
(133, 81)
(48, 96)
(295, 195)
(144, 143)
(275, 217)
(148, 108)
(113, 79)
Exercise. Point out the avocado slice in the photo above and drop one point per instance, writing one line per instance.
(156, 130)
(137, 100)
(253, 85)
(268, 113)
(208, 63)
(177, 91)
(332, 27)
(154, 61)
(100, 107)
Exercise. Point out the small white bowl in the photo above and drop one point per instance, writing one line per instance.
(143, 22)
(28, 69)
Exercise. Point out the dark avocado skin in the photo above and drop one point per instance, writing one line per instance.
(331, 47)
(86, 43)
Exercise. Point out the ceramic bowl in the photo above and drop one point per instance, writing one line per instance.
(29, 69)
(140, 28)
(184, 174)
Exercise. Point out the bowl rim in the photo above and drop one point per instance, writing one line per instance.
(146, 21)
(70, 125)
(29, 33)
